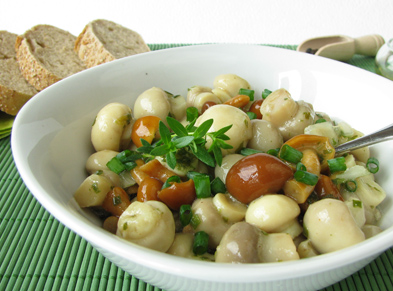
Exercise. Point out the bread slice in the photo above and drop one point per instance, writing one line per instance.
(15, 91)
(103, 41)
(46, 55)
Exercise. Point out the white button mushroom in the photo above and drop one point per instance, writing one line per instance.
(264, 136)
(224, 115)
(227, 162)
(209, 220)
(229, 208)
(304, 117)
(149, 224)
(107, 130)
(277, 247)
(98, 160)
(197, 96)
(330, 226)
(153, 101)
(92, 191)
(227, 86)
(272, 213)
(239, 244)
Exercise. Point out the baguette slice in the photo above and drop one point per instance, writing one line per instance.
(102, 41)
(15, 91)
(46, 55)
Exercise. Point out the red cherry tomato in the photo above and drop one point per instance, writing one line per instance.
(257, 175)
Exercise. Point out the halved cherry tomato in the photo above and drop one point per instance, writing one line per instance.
(178, 194)
(256, 175)
(145, 127)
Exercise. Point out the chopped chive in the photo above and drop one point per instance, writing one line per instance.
(320, 120)
(115, 165)
(202, 186)
(248, 92)
(251, 115)
(248, 151)
(217, 186)
(201, 241)
(195, 221)
(357, 203)
(300, 167)
(306, 177)
(170, 180)
(372, 165)
(351, 185)
(185, 214)
(290, 154)
(273, 152)
(337, 164)
(266, 93)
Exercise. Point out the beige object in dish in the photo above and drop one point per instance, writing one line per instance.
(46, 55)
(342, 48)
(15, 91)
(103, 41)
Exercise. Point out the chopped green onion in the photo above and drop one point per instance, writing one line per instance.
(320, 120)
(337, 164)
(116, 200)
(195, 221)
(306, 177)
(217, 186)
(351, 185)
(170, 180)
(248, 151)
(290, 154)
(266, 93)
(372, 165)
(300, 167)
(185, 214)
(115, 165)
(247, 92)
(357, 203)
(202, 186)
(201, 241)
(251, 115)
(273, 152)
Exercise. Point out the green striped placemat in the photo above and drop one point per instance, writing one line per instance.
(38, 253)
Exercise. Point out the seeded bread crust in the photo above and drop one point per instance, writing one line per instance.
(15, 91)
(45, 55)
(102, 41)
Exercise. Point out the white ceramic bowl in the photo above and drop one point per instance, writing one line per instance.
(51, 142)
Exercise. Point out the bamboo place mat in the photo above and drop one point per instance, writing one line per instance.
(38, 253)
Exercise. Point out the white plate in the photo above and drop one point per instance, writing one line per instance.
(51, 143)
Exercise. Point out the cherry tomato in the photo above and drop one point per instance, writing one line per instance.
(256, 108)
(256, 175)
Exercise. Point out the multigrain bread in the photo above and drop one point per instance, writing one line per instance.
(103, 41)
(46, 55)
(15, 91)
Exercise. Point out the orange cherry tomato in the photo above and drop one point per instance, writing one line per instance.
(256, 108)
(256, 175)
(178, 194)
(145, 127)
(116, 201)
(148, 189)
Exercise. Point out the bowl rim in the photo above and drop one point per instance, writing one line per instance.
(175, 265)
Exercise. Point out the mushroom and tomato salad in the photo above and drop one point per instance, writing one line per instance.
(226, 176)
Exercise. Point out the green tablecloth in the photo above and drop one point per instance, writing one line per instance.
(38, 253)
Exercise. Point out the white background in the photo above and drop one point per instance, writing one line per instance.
(210, 21)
